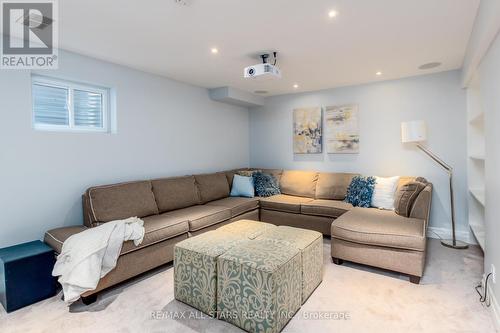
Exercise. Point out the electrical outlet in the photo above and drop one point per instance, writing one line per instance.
(493, 274)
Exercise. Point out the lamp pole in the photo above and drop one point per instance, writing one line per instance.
(453, 243)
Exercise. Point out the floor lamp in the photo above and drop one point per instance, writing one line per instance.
(416, 132)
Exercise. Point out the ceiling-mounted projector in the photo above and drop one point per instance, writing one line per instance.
(263, 70)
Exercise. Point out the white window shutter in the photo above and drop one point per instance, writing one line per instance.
(50, 105)
(69, 106)
(88, 109)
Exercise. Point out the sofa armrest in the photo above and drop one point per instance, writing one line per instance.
(422, 206)
(56, 237)
(88, 219)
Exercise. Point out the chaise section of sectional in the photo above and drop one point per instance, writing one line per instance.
(378, 227)
(383, 238)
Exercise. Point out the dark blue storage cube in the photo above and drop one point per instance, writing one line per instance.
(26, 274)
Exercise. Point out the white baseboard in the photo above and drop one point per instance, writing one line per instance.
(494, 308)
(445, 233)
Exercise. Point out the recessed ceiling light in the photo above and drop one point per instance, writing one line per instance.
(378, 73)
(214, 50)
(332, 13)
(430, 65)
(295, 86)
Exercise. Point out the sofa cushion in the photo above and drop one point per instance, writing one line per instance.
(201, 216)
(381, 228)
(276, 173)
(406, 196)
(283, 203)
(299, 183)
(121, 201)
(212, 186)
(56, 237)
(237, 205)
(332, 185)
(329, 208)
(175, 193)
(230, 175)
(158, 228)
(421, 206)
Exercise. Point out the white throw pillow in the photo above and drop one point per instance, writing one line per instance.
(385, 190)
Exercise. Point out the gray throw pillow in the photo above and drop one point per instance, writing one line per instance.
(406, 196)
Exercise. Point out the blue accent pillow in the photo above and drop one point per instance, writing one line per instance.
(360, 191)
(265, 184)
(242, 187)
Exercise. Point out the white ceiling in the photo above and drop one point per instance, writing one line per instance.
(316, 52)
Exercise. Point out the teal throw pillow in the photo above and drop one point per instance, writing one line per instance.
(265, 184)
(242, 187)
(360, 191)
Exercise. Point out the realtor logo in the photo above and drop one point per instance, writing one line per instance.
(29, 39)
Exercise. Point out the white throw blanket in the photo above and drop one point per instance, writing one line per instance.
(91, 254)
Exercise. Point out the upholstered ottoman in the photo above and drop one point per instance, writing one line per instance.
(259, 285)
(195, 268)
(248, 228)
(310, 245)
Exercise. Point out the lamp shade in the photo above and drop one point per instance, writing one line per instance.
(413, 131)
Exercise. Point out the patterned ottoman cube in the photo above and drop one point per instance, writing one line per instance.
(259, 285)
(310, 244)
(195, 268)
(248, 228)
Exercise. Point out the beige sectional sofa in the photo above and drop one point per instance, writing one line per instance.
(176, 208)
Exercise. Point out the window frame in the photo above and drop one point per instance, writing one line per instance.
(71, 87)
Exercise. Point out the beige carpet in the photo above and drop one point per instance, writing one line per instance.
(365, 300)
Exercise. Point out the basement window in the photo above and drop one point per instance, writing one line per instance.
(68, 106)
